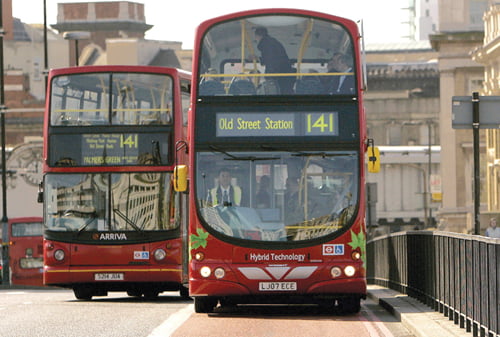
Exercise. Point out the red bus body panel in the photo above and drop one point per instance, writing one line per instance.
(18, 246)
(87, 260)
(309, 267)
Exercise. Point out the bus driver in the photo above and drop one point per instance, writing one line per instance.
(225, 194)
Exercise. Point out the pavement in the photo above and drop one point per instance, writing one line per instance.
(420, 319)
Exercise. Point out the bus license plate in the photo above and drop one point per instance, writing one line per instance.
(277, 286)
(109, 277)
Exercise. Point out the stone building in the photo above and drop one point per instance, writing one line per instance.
(488, 55)
(402, 109)
(460, 32)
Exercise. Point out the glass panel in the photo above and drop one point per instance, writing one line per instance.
(27, 229)
(108, 202)
(238, 56)
(136, 99)
(300, 196)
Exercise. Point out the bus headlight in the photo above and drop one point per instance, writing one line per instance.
(336, 272)
(219, 273)
(160, 254)
(205, 271)
(59, 255)
(349, 271)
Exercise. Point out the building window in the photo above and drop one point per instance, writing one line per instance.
(476, 85)
(394, 134)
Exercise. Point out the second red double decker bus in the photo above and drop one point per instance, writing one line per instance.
(112, 218)
(277, 146)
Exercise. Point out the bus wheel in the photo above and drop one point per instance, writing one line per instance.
(151, 294)
(134, 293)
(350, 305)
(83, 293)
(204, 305)
(184, 292)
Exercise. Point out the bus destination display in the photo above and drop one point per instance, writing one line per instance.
(277, 124)
(110, 149)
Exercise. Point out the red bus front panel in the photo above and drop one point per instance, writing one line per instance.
(25, 251)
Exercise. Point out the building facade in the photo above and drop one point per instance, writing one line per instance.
(402, 108)
(460, 32)
(488, 54)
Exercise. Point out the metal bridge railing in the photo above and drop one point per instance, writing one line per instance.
(455, 274)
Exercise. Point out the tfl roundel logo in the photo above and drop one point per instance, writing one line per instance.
(331, 249)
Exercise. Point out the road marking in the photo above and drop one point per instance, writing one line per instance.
(173, 322)
(374, 325)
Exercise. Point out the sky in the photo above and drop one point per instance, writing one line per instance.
(177, 20)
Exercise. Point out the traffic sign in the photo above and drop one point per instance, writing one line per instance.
(489, 112)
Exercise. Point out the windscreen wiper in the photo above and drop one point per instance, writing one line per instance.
(85, 225)
(320, 154)
(127, 220)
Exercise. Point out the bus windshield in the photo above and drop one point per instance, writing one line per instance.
(20, 229)
(277, 55)
(108, 202)
(111, 99)
(277, 196)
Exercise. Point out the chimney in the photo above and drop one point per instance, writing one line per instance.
(7, 19)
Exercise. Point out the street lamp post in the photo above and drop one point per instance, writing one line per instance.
(45, 45)
(5, 247)
(429, 169)
(425, 193)
(76, 36)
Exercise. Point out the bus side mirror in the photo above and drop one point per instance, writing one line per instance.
(180, 178)
(373, 159)
(39, 198)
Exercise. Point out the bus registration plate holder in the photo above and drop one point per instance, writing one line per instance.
(109, 277)
(277, 286)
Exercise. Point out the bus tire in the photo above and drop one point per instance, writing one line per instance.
(204, 305)
(151, 294)
(134, 293)
(350, 305)
(184, 292)
(83, 293)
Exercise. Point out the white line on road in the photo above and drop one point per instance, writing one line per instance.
(173, 322)
(372, 323)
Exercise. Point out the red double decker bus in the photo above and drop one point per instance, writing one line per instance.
(112, 218)
(277, 146)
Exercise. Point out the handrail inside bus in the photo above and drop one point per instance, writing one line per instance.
(303, 44)
(274, 75)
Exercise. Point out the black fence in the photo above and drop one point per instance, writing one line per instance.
(455, 274)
